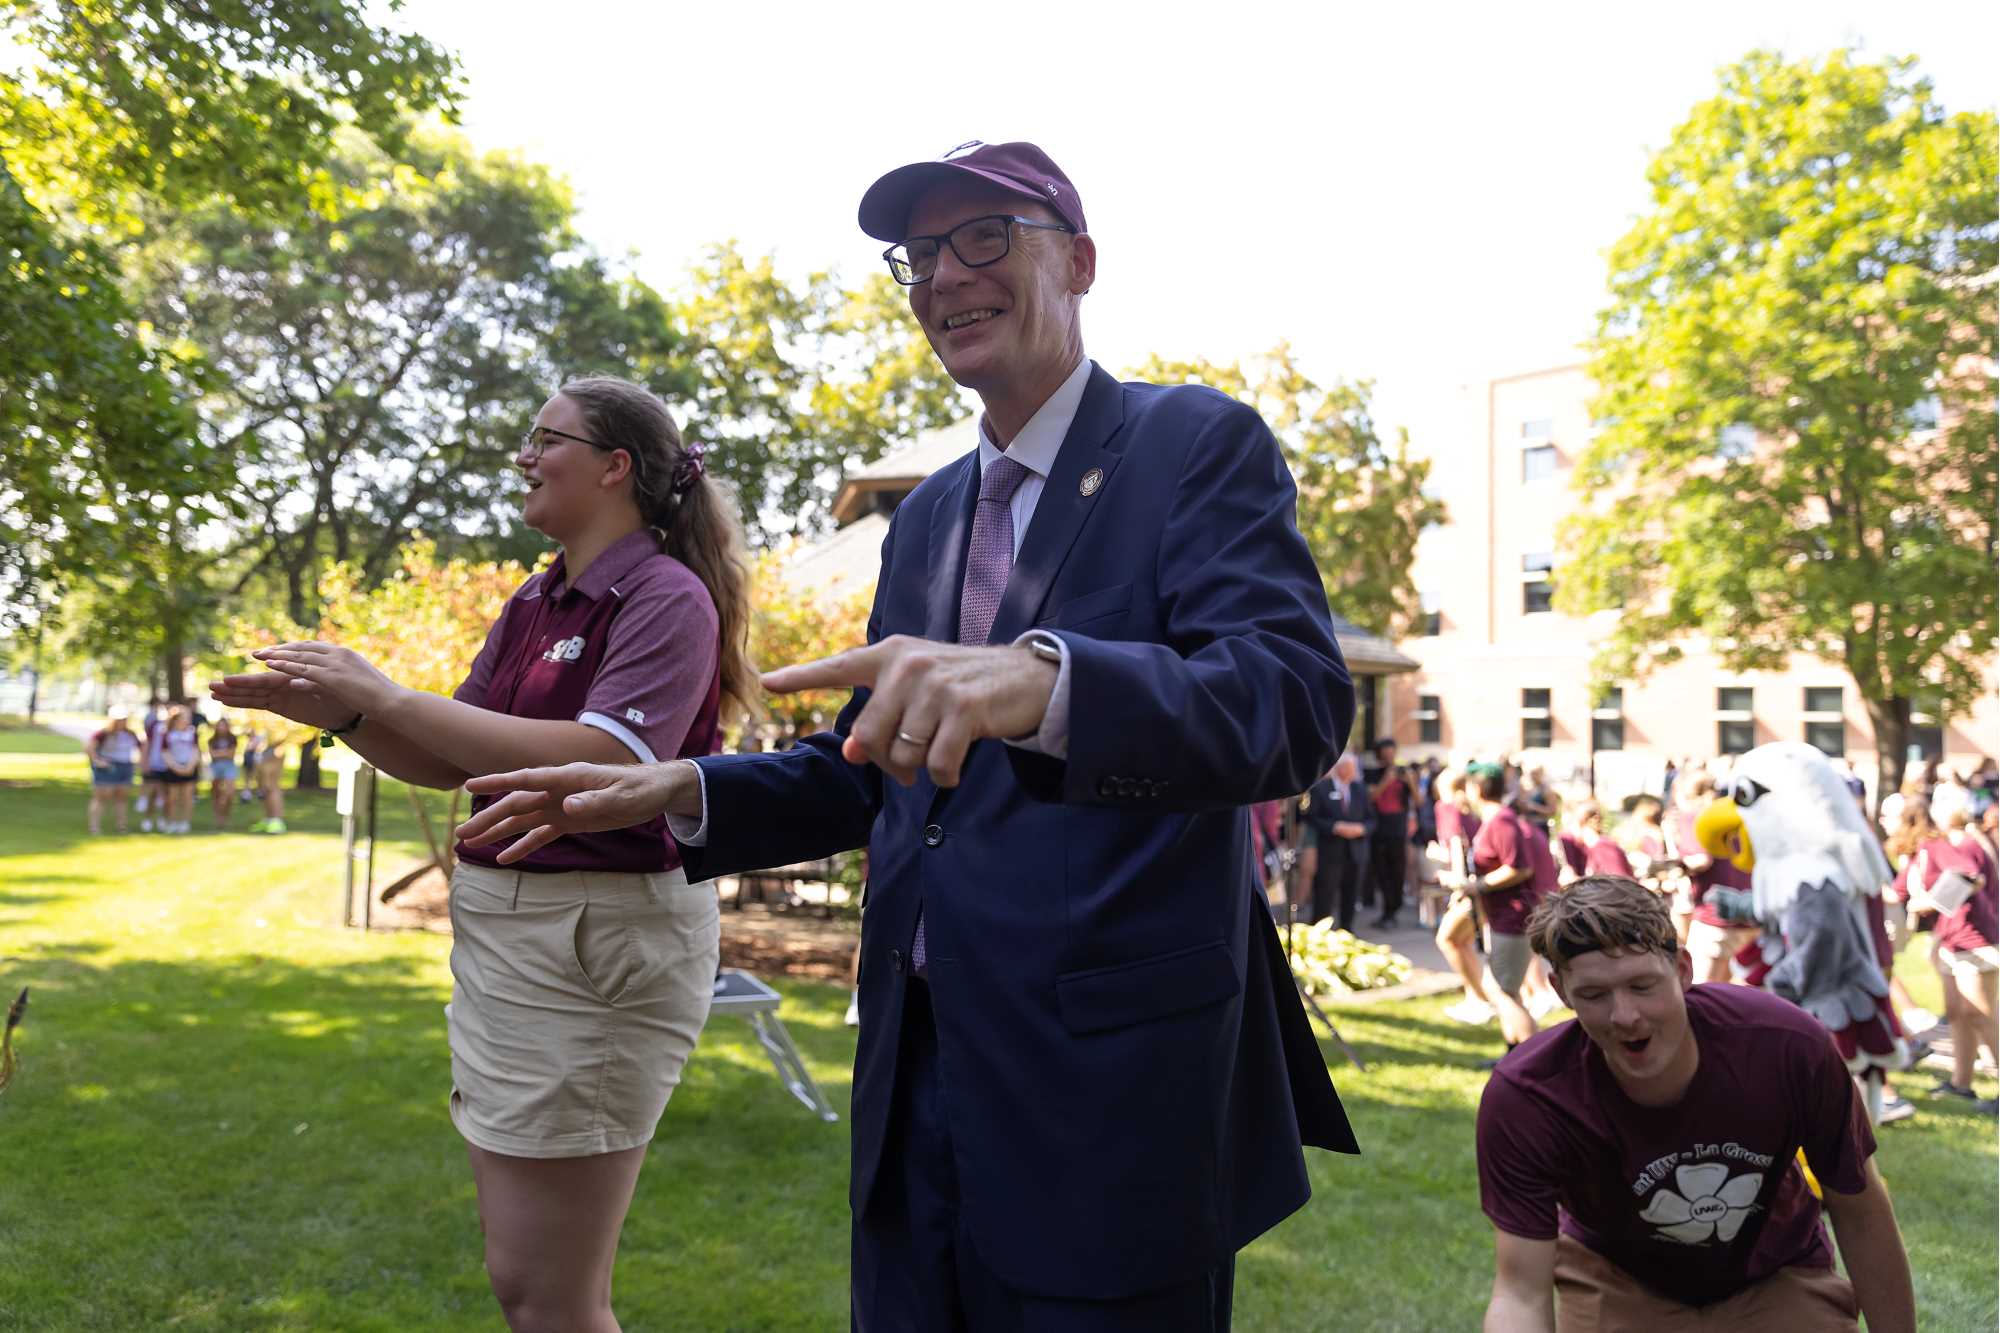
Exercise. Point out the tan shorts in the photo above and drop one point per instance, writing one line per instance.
(575, 1000)
(1593, 1295)
(1711, 944)
(1967, 965)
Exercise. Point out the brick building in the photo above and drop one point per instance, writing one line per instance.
(1502, 671)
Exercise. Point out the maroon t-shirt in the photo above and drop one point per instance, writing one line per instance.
(1973, 925)
(1507, 839)
(1697, 1200)
(1605, 857)
(1719, 874)
(632, 649)
(1453, 822)
(1573, 851)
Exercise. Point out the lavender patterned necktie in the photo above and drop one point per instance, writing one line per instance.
(989, 559)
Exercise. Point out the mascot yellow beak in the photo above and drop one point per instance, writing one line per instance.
(1720, 831)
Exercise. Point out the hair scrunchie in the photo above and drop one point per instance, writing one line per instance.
(688, 468)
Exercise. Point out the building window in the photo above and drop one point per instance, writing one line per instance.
(1824, 699)
(1538, 462)
(1431, 622)
(1829, 738)
(1537, 591)
(1737, 441)
(1826, 729)
(1430, 719)
(1926, 729)
(1541, 428)
(1735, 720)
(1537, 727)
(1607, 721)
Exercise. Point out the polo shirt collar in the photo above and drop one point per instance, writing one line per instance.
(614, 563)
(1036, 447)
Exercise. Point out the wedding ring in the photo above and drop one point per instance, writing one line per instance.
(908, 739)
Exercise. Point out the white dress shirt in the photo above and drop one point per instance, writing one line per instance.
(1035, 447)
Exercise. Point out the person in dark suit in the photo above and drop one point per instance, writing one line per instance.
(1340, 811)
(1394, 796)
(1084, 1074)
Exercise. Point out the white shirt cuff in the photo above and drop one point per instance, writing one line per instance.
(1052, 737)
(692, 832)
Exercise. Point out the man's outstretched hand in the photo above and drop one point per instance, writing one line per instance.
(928, 701)
(542, 804)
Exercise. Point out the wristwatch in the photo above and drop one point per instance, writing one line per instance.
(327, 734)
(1044, 646)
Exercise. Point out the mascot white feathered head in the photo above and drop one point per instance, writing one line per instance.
(1787, 817)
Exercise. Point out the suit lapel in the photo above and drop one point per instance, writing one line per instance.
(1060, 513)
(951, 530)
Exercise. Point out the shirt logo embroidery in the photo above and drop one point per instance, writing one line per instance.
(569, 650)
(634, 715)
(1710, 1206)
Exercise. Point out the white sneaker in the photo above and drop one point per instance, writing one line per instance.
(853, 1018)
(1470, 1011)
(1543, 1003)
(1916, 1022)
(1896, 1108)
(145, 826)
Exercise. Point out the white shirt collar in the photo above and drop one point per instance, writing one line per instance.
(1036, 447)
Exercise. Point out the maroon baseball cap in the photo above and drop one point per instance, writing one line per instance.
(1018, 168)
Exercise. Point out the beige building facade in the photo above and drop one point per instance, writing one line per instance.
(1503, 672)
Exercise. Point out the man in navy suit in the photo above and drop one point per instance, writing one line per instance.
(1083, 1074)
(1343, 818)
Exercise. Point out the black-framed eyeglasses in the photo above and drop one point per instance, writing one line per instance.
(977, 243)
(537, 440)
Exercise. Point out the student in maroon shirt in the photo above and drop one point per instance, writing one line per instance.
(1513, 869)
(1601, 855)
(583, 972)
(1711, 937)
(1638, 1164)
(1964, 938)
(1458, 928)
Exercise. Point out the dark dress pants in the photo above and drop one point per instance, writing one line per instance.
(1335, 882)
(915, 1268)
(1390, 857)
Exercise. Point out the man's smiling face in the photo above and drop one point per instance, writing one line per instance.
(1633, 1004)
(1011, 326)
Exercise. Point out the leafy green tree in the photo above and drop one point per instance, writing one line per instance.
(373, 372)
(113, 109)
(1362, 504)
(1798, 442)
(799, 383)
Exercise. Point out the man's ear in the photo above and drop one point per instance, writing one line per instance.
(1082, 264)
(1684, 966)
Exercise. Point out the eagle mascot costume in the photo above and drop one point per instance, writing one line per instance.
(1816, 875)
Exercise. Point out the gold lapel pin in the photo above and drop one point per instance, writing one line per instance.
(1091, 481)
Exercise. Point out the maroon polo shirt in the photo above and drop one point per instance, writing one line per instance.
(632, 648)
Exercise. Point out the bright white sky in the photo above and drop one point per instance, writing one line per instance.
(1420, 194)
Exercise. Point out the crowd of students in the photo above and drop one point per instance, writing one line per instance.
(168, 757)
(1493, 839)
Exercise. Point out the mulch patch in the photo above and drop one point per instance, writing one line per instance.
(766, 940)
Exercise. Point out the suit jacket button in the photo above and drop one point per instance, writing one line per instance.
(896, 959)
(1106, 788)
(933, 835)
(1128, 788)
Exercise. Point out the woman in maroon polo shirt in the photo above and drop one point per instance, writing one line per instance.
(582, 973)
(1954, 866)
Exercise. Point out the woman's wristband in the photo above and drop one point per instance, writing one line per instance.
(328, 734)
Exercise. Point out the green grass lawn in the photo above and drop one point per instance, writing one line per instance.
(230, 1115)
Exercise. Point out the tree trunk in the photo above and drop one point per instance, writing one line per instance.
(171, 667)
(308, 779)
(441, 856)
(1891, 719)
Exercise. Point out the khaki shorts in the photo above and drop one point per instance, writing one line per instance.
(1594, 1295)
(1711, 944)
(1967, 964)
(1507, 959)
(575, 1000)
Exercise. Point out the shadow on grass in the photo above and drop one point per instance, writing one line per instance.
(252, 1143)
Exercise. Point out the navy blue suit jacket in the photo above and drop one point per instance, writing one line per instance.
(1127, 1070)
(1335, 802)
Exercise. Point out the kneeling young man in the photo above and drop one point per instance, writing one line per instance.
(1639, 1164)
